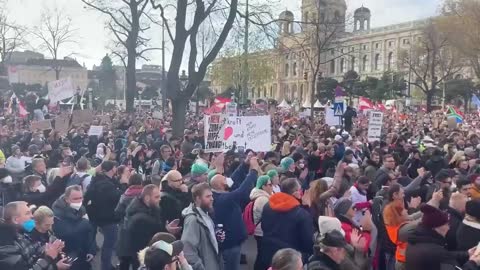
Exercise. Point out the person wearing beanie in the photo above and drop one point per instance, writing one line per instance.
(344, 210)
(259, 197)
(330, 251)
(287, 167)
(475, 191)
(426, 245)
(443, 181)
(270, 161)
(273, 174)
(198, 174)
(468, 233)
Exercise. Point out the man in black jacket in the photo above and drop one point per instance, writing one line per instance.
(329, 252)
(175, 196)
(101, 198)
(143, 220)
(456, 212)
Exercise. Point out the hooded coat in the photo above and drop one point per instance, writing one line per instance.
(426, 250)
(120, 211)
(285, 224)
(200, 247)
(76, 231)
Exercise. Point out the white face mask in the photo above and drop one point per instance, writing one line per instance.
(7, 180)
(76, 206)
(41, 188)
(229, 182)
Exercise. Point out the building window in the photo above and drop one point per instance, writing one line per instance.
(390, 60)
(390, 44)
(406, 42)
(286, 70)
(301, 92)
(342, 51)
(271, 91)
(332, 67)
(306, 16)
(377, 45)
(295, 69)
(332, 51)
(377, 60)
(365, 47)
(353, 63)
(364, 63)
(342, 65)
(352, 49)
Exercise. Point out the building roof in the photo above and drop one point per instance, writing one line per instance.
(286, 15)
(52, 62)
(362, 10)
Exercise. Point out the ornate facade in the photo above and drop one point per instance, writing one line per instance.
(368, 51)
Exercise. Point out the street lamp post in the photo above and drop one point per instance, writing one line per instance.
(183, 79)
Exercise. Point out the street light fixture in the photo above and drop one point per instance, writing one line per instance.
(183, 80)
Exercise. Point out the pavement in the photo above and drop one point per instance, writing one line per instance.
(249, 248)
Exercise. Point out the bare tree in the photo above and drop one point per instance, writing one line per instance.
(127, 20)
(12, 37)
(54, 33)
(432, 60)
(185, 34)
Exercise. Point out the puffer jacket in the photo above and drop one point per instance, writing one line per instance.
(260, 198)
(131, 193)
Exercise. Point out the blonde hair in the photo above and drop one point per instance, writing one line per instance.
(286, 149)
(457, 157)
(42, 213)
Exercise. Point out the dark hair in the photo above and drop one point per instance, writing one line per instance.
(29, 180)
(442, 175)
(387, 156)
(82, 164)
(363, 180)
(135, 180)
(199, 189)
(462, 181)
(394, 188)
(403, 170)
(289, 186)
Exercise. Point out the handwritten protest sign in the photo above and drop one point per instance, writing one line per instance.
(60, 90)
(82, 116)
(375, 123)
(41, 125)
(95, 131)
(250, 132)
(62, 123)
(214, 132)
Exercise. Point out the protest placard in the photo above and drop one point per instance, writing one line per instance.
(62, 124)
(375, 122)
(41, 125)
(95, 131)
(60, 90)
(250, 132)
(214, 132)
(330, 118)
(157, 115)
(82, 116)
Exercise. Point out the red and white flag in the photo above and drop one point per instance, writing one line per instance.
(365, 104)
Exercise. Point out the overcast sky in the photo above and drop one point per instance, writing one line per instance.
(93, 38)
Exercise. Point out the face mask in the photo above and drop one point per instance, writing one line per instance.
(229, 182)
(7, 180)
(76, 206)
(41, 188)
(28, 225)
(301, 165)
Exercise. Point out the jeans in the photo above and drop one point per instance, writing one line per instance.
(109, 239)
(231, 258)
(257, 265)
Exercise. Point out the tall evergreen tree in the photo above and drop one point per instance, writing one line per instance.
(107, 79)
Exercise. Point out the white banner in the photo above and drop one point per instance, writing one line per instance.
(330, 118)
(60, 90)
(12, 74)
(250, 132)
(95, 131)
(214, 132)
(375, 122)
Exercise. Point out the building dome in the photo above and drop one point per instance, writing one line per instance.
(286, 15)
(361, 11)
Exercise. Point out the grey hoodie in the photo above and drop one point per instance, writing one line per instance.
(261, 198)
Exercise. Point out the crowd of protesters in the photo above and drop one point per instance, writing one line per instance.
(323, 198)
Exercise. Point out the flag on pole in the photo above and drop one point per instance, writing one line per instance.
(339, 91)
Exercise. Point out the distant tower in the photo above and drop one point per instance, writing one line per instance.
(362, 19)
(327, 11)
(286, 19)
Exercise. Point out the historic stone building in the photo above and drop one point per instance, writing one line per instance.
(368, 51)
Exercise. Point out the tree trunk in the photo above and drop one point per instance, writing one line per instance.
(429, 101)
(179, 109)
(131, 81)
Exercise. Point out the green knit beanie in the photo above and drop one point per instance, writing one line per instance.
(286, 162)
(211, 174)
(199, 169)
(262, 181)
(272, 173)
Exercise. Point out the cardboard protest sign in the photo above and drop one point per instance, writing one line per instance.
(82, 116)
(60, 90)
(214, 132)
(62, 124)
(95, 131)
(375, 122)
(41, 125)
(250, 132)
